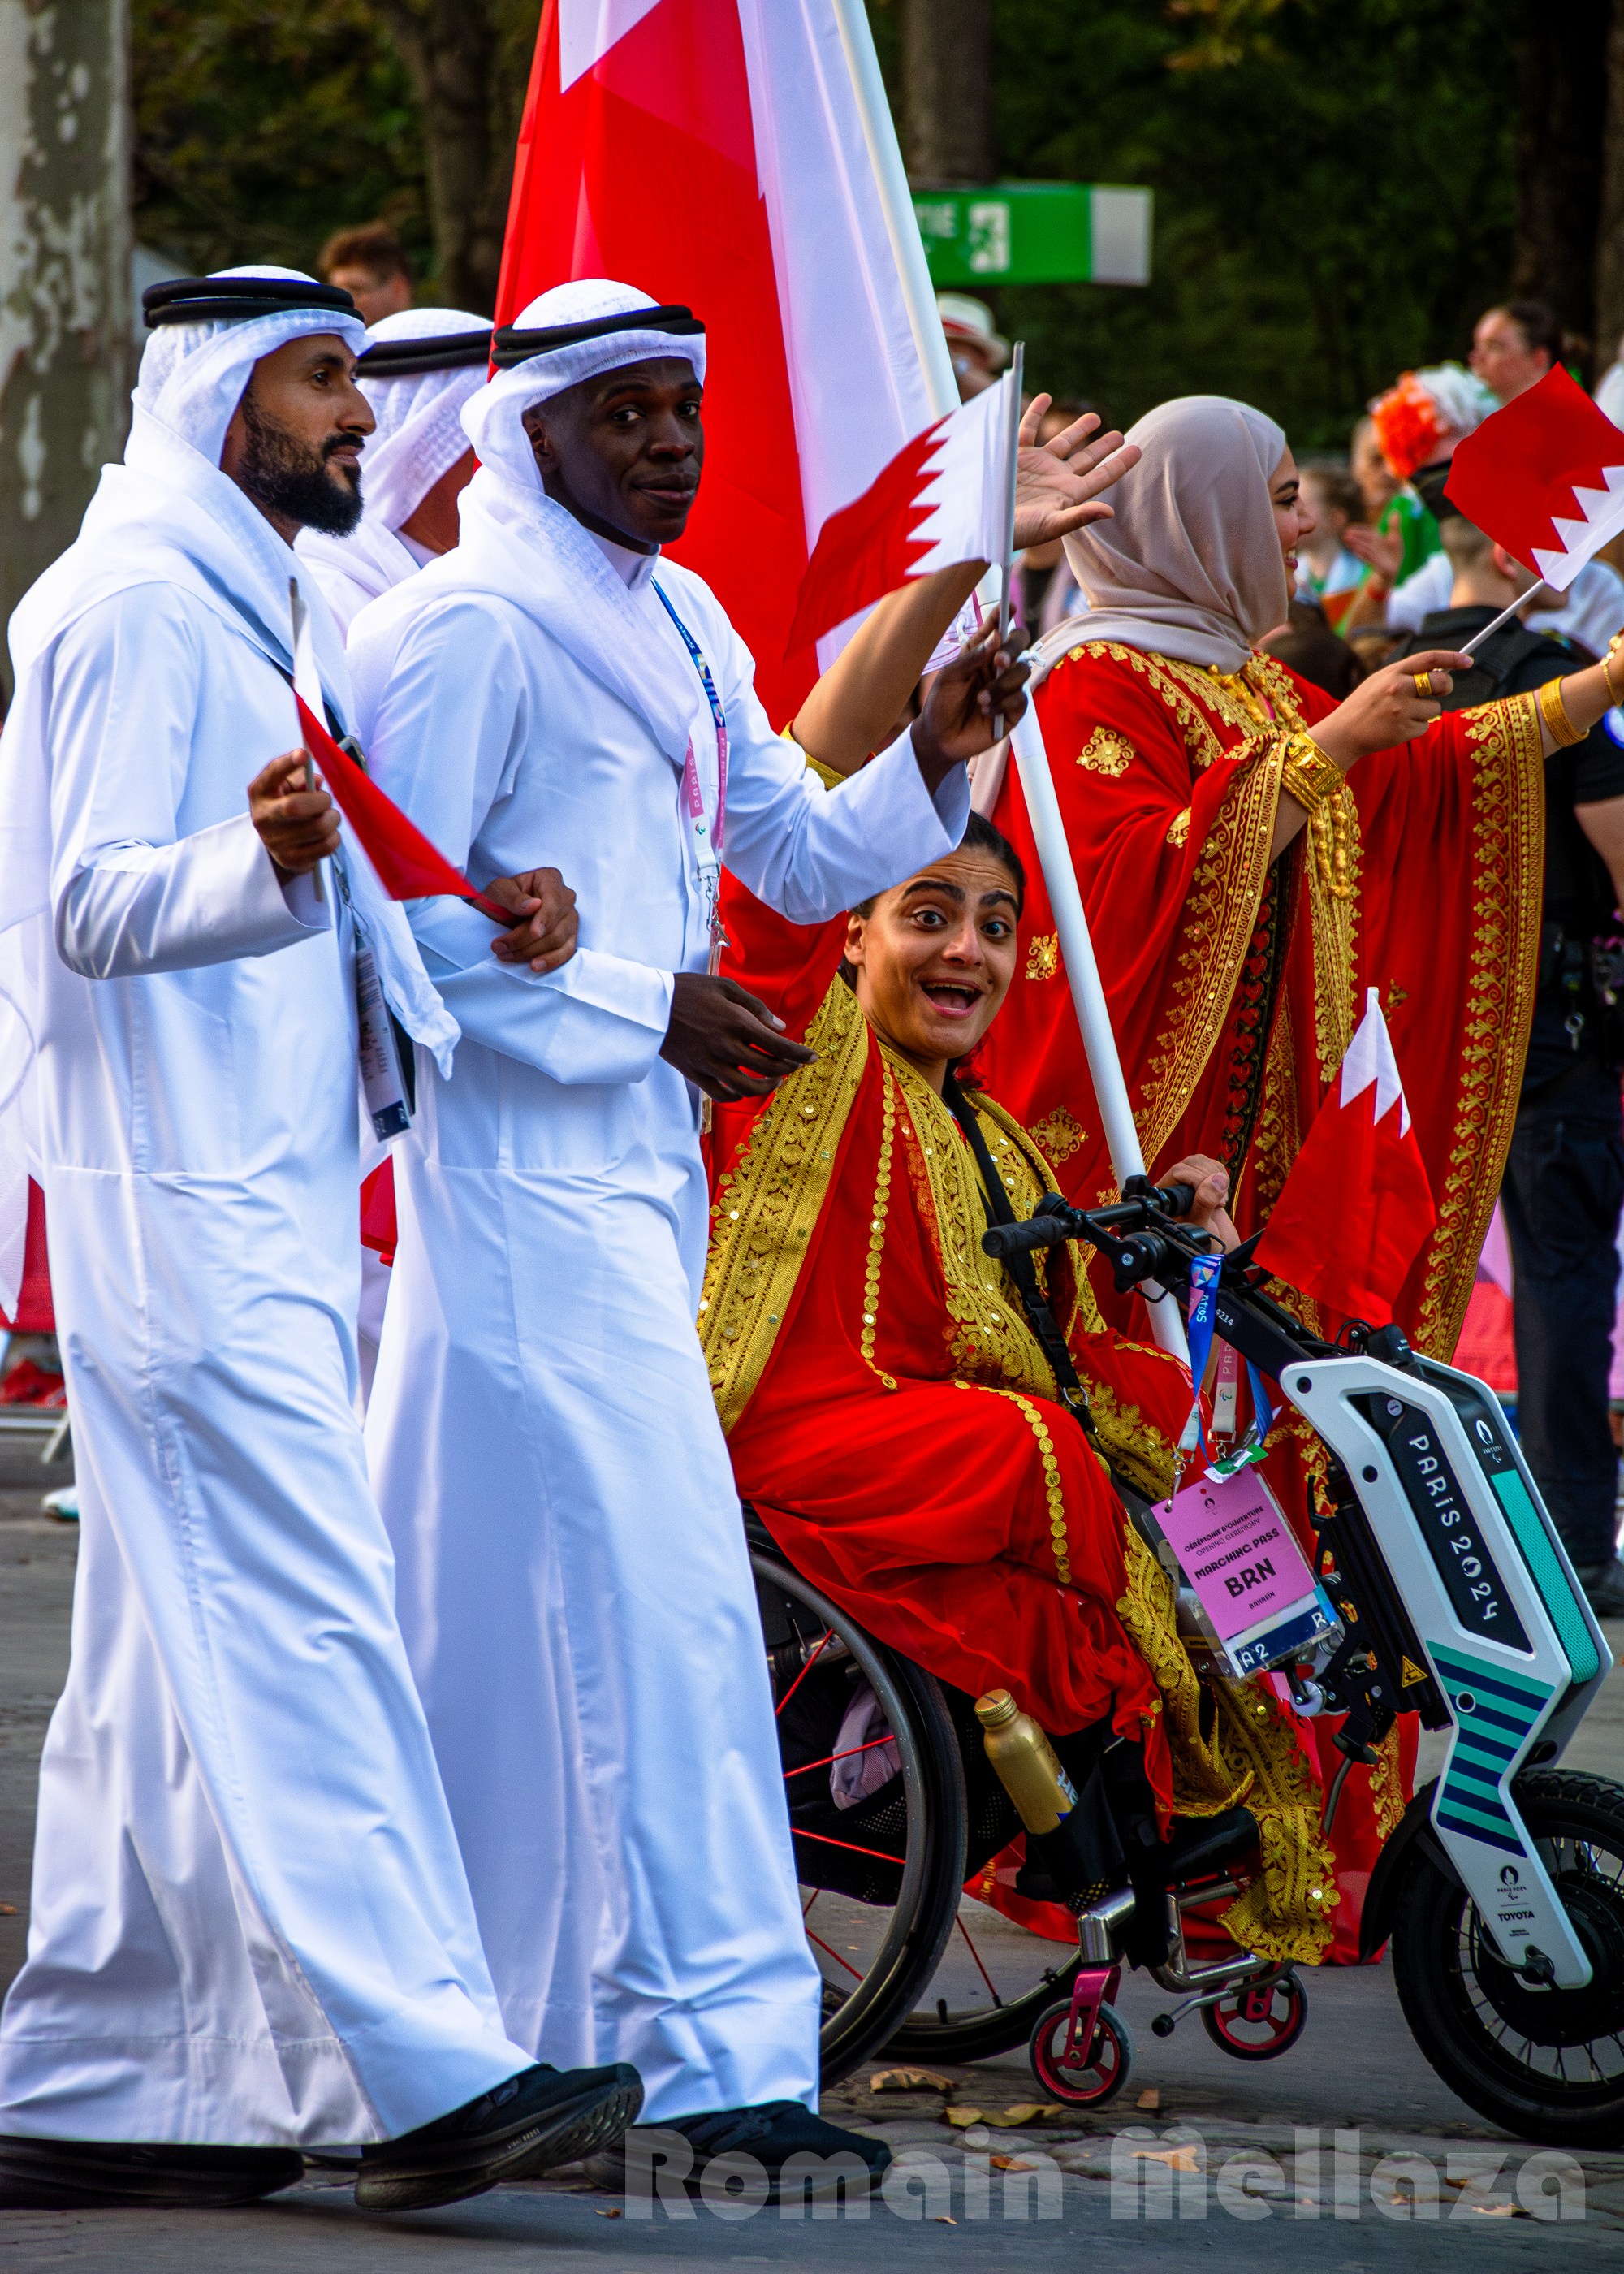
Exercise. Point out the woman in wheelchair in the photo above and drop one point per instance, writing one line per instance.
(898, 1424)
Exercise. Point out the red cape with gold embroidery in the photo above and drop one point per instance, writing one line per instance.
(1234, 985)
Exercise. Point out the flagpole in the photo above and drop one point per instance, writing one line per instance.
(1471, 646)
(1122, 1136)
(896, 204)
(1011, 447)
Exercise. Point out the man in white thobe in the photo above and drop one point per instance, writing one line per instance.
(250, 1930)
(416, 371)
(574, 1582)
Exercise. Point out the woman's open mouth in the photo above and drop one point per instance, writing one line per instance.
(948, 995)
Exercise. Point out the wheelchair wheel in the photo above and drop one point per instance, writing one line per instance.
(1547, 2063)
(1091, 2075)
(1256, 2025)
(880, 1874)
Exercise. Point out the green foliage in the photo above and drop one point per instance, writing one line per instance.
(1333, 183)
(263, 125)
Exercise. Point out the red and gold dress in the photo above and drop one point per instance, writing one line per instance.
(894, 1422)
(1235, 984)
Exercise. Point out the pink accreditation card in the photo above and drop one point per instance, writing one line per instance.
(1238, 1553)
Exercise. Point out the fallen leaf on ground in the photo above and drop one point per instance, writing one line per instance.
(8, 1911)
(909, 2080)
(616, 2213)
(1011, 2163)
(1498, 2211)
(1177, 2159)
(1005, 2120)
(1151, 2098)
(943, 2219)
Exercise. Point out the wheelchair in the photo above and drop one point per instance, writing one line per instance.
(912, 1963)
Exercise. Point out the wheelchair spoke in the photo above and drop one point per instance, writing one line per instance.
(829, 1636)
(855, 1972)
(975, 1953)
(850, 1754)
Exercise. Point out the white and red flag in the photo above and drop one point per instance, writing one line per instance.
(714, 152)
(1545, 477)
(1356, 1206)
(944, 498)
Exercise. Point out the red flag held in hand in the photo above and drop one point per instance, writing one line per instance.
(410, 867)
(1356, 1206)
(1545, 477)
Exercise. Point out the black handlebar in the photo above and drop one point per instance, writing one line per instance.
(1054, 1220)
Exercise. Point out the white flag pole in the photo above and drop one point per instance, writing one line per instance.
(1110, 1090)
(1471, 646)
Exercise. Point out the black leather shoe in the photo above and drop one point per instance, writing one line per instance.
(539, 2119)
(772, 2133)
(135, 2175)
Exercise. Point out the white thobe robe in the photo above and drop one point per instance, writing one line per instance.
(542, 1432)
(249, 1920)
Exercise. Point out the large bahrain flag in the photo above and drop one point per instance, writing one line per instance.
(713, 153)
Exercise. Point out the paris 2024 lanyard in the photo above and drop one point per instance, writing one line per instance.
(706, 829)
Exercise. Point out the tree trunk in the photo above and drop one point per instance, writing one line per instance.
(947, 131)
(448, 47)
(1610, 236)
(64, 273)
(1561, 59)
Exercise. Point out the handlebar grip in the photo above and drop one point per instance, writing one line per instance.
(1003, 1239)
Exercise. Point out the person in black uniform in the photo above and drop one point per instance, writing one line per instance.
(1564, 1180)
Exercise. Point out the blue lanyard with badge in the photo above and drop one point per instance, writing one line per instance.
(705, 828)
(1199, 1326)
(385, 1083)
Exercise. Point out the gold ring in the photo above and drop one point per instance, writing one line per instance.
(1423, 684)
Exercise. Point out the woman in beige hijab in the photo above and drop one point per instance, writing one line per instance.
(1253, 859)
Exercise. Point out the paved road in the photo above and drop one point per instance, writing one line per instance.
(1355, 2072)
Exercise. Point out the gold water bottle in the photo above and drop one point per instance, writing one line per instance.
(1024, 1762)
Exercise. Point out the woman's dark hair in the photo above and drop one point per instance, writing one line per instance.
(1537, 323)
(980, 837)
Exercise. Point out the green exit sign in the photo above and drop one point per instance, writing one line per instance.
(1036, 233)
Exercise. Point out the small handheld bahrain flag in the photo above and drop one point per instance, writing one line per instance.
(1357, 1208)
(1545, 477)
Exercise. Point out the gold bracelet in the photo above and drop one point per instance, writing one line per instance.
(1606, 666)
(1308, 776)
(1564, 734)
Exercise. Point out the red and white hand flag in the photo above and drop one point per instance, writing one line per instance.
(1545, 477)
(943, 499)
(714, 152)
(1356, 1206)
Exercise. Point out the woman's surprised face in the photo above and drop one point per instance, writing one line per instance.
(1294, 515)
(934, 957)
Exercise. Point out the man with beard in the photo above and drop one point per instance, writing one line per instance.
(251, 1933)
(542, 1428)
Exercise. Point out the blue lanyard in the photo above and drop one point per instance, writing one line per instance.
(1204, 1270)
(707, 834)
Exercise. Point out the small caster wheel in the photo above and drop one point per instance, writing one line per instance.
(1258, 2025)
(1163, 2026)
(1091, 2076)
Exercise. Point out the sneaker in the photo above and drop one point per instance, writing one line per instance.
(91, 2175)
(540, 2118)
(61, 1506)
(772, 2134)
(1603, 1583)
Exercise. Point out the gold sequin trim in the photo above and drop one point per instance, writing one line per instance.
(876, 1231)
(1508, 869)
(1178, 831)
